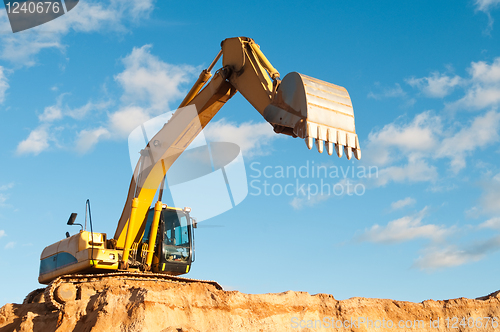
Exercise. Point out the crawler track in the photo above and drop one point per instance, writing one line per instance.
(77, 279)
(32, 295)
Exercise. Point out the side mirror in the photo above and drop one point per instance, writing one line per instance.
(72, 218)
(195, 224)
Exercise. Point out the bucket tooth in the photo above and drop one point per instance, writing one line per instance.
(329, 148)
(338, 149)
(357, 151)
(322, 133)
(348, 152)
(357, 154)
(319, 145)
(309, 142)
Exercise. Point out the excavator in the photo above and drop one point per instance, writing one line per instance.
(157, 242)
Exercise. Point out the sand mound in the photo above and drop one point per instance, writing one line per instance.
(171, 307)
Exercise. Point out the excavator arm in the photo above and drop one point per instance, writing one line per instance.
(298, 106)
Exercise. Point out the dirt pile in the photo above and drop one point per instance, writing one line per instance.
(172, 307)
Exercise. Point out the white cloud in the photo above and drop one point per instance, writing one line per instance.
(402, 203)
(425, 138)
(412, 142)
(436, 85)
(37, 141)
(478, 97)
(89, 16)
(137, 9)
(493, 223)
(21, 49)
(51, 113)
(472, 213)
(420, 135)
(7, 186)
(394, 92)
(59, 110)
(482, 132)
(253, 138)
(81, 112)
(3, 196)
(10, 245)
(404, 229)
(2, 233)
(484, 73)
(150, 86)
(490, 199)
(435, 258)
(486, 5)
(4, 85)
(125, 120)
(416, 170)
(482, 88)
(148, 79)
(87, 139)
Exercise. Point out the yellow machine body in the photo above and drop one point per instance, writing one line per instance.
(77, 254)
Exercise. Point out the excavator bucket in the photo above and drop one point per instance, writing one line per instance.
(317, 111)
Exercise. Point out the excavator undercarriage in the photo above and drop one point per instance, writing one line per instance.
(84, 286)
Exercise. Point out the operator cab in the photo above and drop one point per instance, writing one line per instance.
(174, 249)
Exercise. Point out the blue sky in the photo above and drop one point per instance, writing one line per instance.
(424, 79)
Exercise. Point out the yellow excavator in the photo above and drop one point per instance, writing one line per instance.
(156, 243)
